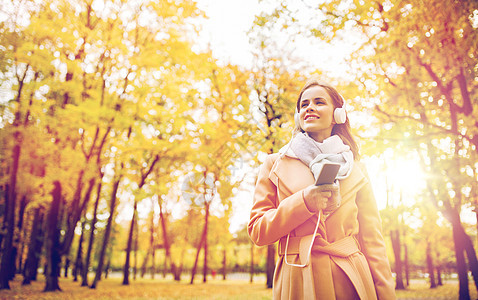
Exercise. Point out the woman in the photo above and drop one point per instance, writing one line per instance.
(330, 242)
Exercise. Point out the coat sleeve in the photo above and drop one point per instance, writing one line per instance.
(372, 242)
(270, 220)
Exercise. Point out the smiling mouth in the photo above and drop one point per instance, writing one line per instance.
(311, 118)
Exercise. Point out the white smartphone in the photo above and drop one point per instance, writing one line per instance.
(328, 173)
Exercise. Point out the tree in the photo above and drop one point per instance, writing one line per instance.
(167, 237)
(186, 232)
(204, 189)
(112, 205)
(79, 252)
(73, 91)
(218, 142)
(34, 247)
(133, 219)
(53, 241)
(242, 237)
(439, 84)
(86, 264)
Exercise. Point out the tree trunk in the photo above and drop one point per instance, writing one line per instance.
(395, 237)
(135, 268)
(151, 241)
(153, 262)
(206, 221)
(52, 241)
(224, 261)
(431, 268)
(462, 270)
(407, 269)
(128, 245)
(86, 265)
(199, 247)
(34, 248)
(12, 267)
(179, 270)
(75, 215)
(107, 267)
(439, 280)
(438, 268)
(4, 213)
(106, 238)
(463, 245)
(145, 262)
(7, 246)
(471, 254)
(165, 265)
(251, 269)
(167, 246)
(459, 235)
(270, 265)
(79, 252)
(21, 241)
(67, 265)
(7, 250)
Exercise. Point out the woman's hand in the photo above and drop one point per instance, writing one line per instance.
(324, 197)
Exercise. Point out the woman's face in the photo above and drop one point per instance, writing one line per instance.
(316, 114)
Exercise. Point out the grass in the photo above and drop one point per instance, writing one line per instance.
(238, 288)
(421, 290)
(158, 288)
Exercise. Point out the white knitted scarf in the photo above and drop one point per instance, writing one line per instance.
(315, 154)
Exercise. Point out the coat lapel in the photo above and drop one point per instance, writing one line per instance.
(290, 175)
(352, 184)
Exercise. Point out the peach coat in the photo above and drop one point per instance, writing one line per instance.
(348, 259)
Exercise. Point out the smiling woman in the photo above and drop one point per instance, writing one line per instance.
(316, 113)
(330, 241)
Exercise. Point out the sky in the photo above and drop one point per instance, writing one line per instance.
(226, 28)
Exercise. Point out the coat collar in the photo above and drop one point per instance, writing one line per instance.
(287, 151)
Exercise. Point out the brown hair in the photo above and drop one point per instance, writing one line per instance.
(342, 130)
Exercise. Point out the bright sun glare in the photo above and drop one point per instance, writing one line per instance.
(395, 174)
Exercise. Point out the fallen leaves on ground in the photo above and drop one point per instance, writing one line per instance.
(215, 289)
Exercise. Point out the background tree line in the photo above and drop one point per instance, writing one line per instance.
(107, 106)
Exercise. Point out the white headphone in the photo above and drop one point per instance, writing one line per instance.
(296, 117)
(340, 114)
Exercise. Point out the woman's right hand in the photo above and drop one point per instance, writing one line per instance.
(322, 197)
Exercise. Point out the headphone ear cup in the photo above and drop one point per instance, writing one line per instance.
(296, 118)
(340, 115)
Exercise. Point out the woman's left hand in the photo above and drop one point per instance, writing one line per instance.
(325, 197)
(334, 200)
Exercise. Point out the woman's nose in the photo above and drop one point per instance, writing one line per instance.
(310, 107)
